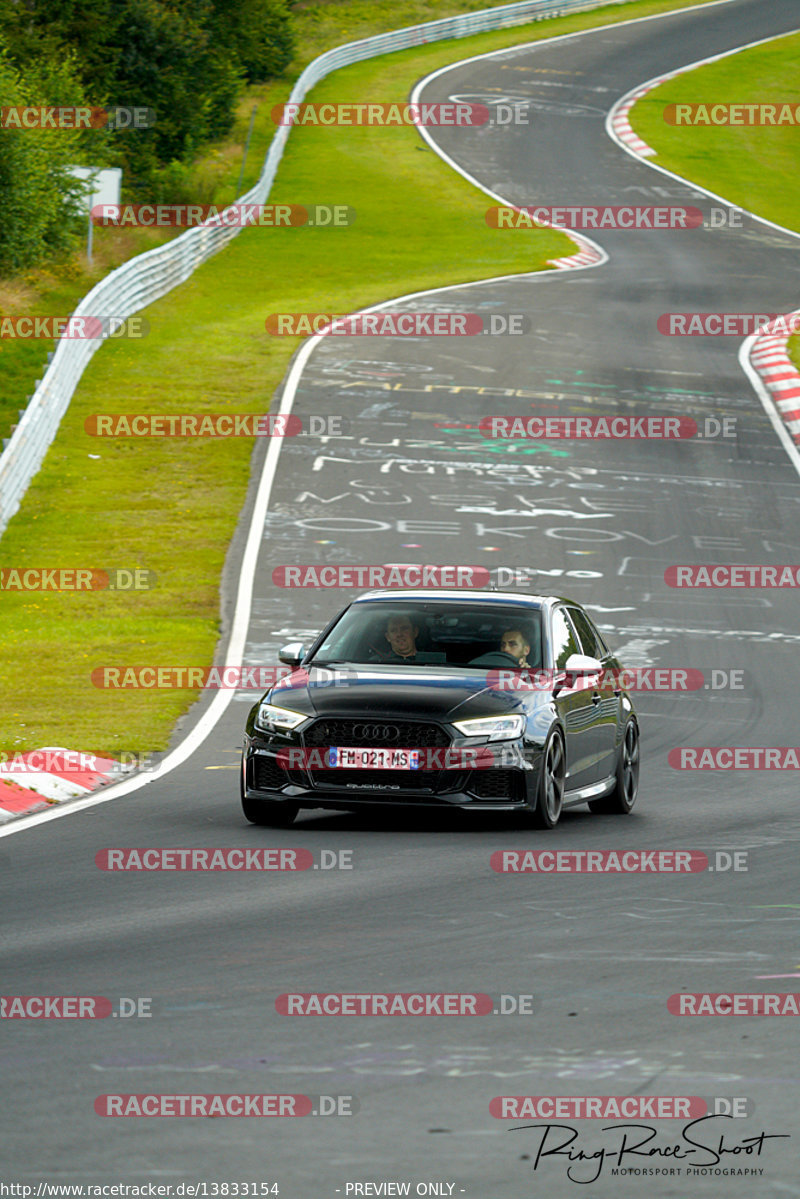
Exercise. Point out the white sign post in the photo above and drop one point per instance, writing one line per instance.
(106, 183)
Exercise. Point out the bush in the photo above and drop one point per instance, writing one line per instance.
(39, 198)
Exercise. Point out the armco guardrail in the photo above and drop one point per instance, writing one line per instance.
(149, 276)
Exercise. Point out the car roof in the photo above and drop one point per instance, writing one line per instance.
(396, 595)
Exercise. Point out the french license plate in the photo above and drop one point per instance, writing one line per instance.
(373, 759)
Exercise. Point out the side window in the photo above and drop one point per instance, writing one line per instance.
(565, 642)
(589, 639)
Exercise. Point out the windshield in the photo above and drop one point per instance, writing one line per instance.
(434, 633)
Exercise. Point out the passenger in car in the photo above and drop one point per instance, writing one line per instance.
(513, 642)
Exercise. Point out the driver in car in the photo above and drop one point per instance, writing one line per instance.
(402, 633)
(402, 637)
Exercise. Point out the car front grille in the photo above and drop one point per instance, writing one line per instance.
(377, 733)
(398, 734)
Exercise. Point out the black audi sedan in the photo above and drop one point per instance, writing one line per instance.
(480, 700)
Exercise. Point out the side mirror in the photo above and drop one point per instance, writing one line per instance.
(582, 664)
(578, 665)
(292, 654)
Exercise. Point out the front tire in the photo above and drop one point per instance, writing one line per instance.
(550, 795)
(626, 786)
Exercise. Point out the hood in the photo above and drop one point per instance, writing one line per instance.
(403, 692)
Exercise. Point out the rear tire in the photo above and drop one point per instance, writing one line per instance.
(626, 787)
(550, 795)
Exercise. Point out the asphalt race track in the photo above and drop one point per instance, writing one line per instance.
(421, 908)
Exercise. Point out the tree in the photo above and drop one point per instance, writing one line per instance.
(258, 33)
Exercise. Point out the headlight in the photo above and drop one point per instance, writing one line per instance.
(493, 728)
(270, 718)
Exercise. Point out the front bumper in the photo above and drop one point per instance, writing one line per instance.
(509, 787)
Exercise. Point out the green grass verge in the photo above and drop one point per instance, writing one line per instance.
(741, 163)
(755, 167)
(171, 506)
